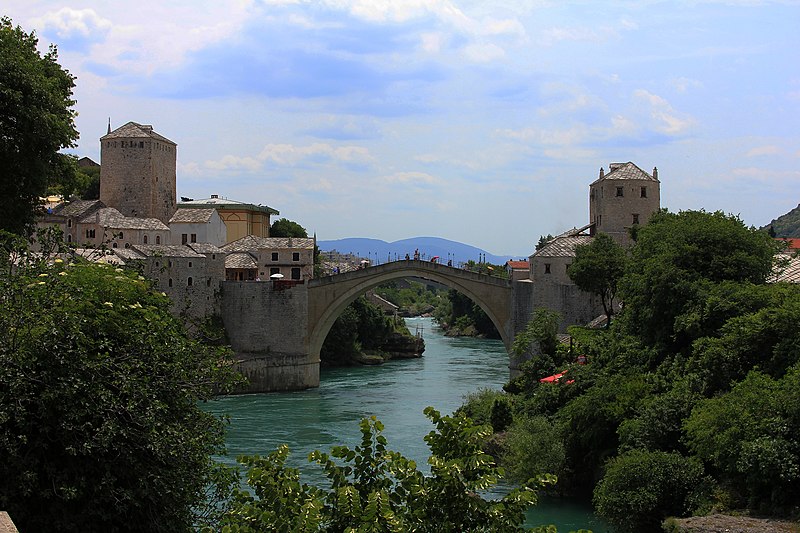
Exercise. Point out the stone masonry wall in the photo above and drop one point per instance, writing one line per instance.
(268, 331)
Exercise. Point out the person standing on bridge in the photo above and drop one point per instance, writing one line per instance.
(416, 254)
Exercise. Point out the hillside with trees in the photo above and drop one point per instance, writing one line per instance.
(787, 225)
(689, 403)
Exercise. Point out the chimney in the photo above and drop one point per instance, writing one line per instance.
(602, 173)
(109, 125)
(215, 196)
(655, 173)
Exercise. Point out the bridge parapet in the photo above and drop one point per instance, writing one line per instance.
(415, 264)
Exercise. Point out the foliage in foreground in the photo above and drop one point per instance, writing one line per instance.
(375, 489)
(100, 428)
(36, 121)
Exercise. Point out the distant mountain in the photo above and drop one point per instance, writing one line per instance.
(787, 225)
(427, 246)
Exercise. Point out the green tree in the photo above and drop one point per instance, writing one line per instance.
(641, 488)
(283, 227)
(100, 428)
(750, 437)
(676, 257)
(379, 490)
(36, 121)
(597, 268)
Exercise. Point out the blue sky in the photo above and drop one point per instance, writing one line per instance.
(477, 121)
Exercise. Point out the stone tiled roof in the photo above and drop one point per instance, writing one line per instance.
(222, 203)
(108, 217)
(625, 171)
(253, 243)
(790, 274)
(240, 260)
(134, 130)
(77, 208)
(165, 250)
(564, 245)
(191, 216)
(128, 254)
(205, 248)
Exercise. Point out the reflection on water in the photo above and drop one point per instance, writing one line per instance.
(396, 393)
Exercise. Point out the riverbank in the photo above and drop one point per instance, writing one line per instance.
(719, 523)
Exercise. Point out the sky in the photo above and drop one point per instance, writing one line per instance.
(479, 121)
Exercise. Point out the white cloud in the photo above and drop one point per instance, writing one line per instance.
(483, 52)
(763, 150)
(69, 23)
(664, 118)
(416, 178)
(682, 84)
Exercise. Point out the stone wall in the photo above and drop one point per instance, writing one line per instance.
(267, 326)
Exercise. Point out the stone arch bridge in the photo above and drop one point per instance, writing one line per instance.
(277, 329)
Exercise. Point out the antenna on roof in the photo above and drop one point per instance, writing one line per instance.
(109, 126)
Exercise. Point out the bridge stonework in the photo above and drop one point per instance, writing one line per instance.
(277, 331)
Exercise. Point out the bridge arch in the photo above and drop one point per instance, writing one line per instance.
(329, 296)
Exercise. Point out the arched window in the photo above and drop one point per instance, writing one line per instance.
(145, 239)
(189, 283)
(127, 245)
(114, 245)
(158, 239)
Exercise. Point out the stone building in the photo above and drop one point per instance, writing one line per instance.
(107, 226)
(190, 275)
(623, 198)
(190, 226)
(137, 173)
(252, 258)
(241, 219)
(67, 215)
(619, 200)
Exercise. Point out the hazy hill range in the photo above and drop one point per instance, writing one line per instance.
(427, 246)
(787, 225)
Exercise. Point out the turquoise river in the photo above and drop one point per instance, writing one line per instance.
(396, 393)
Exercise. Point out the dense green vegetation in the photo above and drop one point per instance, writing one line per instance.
(362, 327)
(283, 227)
(412, 297)
(36, 121)
(100, 428)
(689, 402)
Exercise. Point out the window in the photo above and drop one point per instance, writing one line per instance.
(296, 273)
(194, 237)
(184, 238)
(635, 218)
(213, 256)
(69, 239)
(114, 245)
(547, 268)
(121, 236)
(274, 270)
(158, 264)
(170, 264)
(69, 223)
(170, 282)
(141, 144)
(208, 282)
(295, 256)
(190, 264)
(145, 239)
(643, 192)
(158, 239)
(189, 282)
(620, 192)
(127, 245)
(274, 256)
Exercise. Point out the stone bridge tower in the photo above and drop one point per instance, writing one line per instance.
(137, 173)
(624, 197)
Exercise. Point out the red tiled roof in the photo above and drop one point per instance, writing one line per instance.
(794, 244)
(518, 265)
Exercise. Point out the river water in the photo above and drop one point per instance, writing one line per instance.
(396, 392)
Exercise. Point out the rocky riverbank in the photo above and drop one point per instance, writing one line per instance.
(718, 523)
